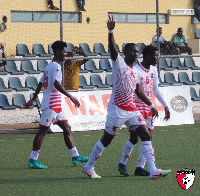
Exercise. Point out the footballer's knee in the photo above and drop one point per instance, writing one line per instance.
(106, 139)
(133, 138)
(143, 133)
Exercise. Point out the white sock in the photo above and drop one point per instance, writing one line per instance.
(141, 159)
(128, 147)
(148, 152)
(35, 154)
(95, 155)
(74, 152)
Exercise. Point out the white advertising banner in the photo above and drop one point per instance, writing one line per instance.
(91, 115)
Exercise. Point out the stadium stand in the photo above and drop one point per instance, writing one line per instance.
(164, 66)
(170, 79)
(3, 72)
(38, 49)
(82, 70)
(189, 62)
(15, 83)
(184, 78)
(22, 50)
(97, 81)
(19, 100)
(109, 79)
(117, 47)
(197, 33)
(31, 82)
(70, 47)
(99, 49)
(194, 95)
(50, 50)
(176, 63)
(196, 77)
(3, 88)
(83, 83)
(27, 67)
(140, 47)
(12, 68)
(87, 50)
(90, 66)
(37, 102)
(4, 104)
(41, 64)
(105, 65)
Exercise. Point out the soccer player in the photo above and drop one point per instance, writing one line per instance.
(122, 108)
(148, 80)
(51, 107)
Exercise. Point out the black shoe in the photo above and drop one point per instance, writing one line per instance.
(139, 171)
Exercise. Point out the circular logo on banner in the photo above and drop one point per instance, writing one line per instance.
(179, 104)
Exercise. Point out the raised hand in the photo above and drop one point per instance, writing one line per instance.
(110, 23)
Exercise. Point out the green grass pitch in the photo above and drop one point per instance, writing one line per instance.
(176, 147)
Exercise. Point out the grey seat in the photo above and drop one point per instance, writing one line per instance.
(27, 66)
(189, 62)
(38, 49)
(19, 100)
(197, 33)
(196, 77)
(37, 102)
(194, 95)
(3, 88)
(141, 47)
(90, 66)
(176, 63)
(4, 104)
(82, 70)
(83, 83)
(31, 82)
(22, 50)
(184, 78)
(87, 50)
(105, 65)
(96, 81)
(41, 64)
(170, 79)
(3, 72)
(117, 47)
(15, 83)
(99, 49)
(109, 79)
(164, 66)
(12, 68)
(50, 50)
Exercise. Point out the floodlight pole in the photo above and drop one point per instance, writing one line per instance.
(158, 43)
(61, 38)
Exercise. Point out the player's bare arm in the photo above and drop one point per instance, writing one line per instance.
(37, 91)
(111, 40)
(60, 88)
(140, 93)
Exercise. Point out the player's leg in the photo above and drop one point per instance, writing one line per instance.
(61, 121)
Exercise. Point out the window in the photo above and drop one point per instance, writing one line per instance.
(138, 18)
(48, 17)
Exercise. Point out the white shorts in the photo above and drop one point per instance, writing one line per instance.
(150, 123)
(49, 116)
(117, 117)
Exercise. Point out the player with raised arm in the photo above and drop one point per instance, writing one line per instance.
(148, 80)
(51, 107)
(122, 108)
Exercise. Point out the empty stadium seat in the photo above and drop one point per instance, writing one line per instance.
(27, 66)
(117, 47)
(70, 47)
(96, 81)
(164, 66)
(38, 49)
(31, 82)
(82, 70)
(36, 103)
(12, 68)
(41, 64)
(194, 95)
(170, 79)
(189, 62)
(15, 83)
(22, 50)
(4, 104)
(140, 47)
(176, 63)
(90, 66)
(19, 100)
(99, 49)
(109, 79)
(105, 65)
(83, 83)
(3, 88)
(50, 50)
(197, 33)
(184, 78)
(3, 72)
(196, 77)
(87, 50)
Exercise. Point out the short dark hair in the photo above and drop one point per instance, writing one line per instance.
(58, 46)
(149, 50)
(128, 45)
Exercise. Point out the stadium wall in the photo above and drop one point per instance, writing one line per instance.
(95, 31)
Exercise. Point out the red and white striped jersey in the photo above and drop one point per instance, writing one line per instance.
(124, 85)
(51, 96)
(148, 79)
